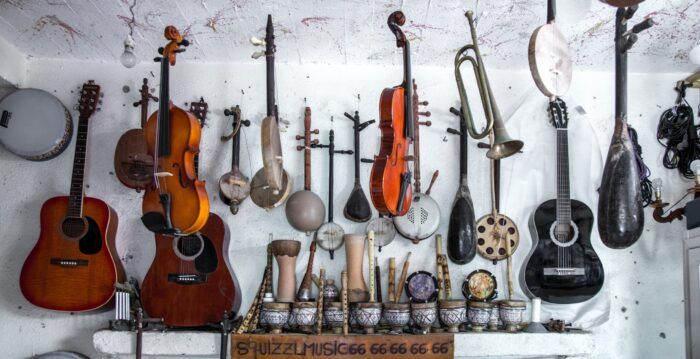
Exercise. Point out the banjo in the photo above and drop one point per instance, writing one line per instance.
(34, 124)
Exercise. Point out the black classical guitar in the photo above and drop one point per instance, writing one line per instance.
(563, 267)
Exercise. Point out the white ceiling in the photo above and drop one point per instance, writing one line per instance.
(346, 32)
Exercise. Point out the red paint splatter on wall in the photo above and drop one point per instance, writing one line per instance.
(423, 26)
(212, 22)
(53, 20)
(318, 19)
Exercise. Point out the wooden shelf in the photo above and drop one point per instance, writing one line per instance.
(467, 345)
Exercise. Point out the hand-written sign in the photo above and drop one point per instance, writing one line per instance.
(430, 346)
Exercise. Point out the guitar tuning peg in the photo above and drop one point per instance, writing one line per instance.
(284, 122)
(258, 54)
(315, 132)
(424, 114)
(257, 42)
(423, 103)
(299, 137)
(425, 123)
(314, 142)
(299, 148)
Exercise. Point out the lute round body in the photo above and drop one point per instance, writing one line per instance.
(557, 286)
(234, 188)
(390, 165)
(461, 232)
(189, 202)
(133, 165)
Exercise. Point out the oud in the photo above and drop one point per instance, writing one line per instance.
(562, 267)
(74, 264)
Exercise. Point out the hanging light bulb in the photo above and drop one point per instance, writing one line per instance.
(656, 184)
(128, 58)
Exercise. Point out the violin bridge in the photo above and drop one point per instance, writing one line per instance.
(163, 174)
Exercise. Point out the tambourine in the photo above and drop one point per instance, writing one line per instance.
(480, 285)
(421, 287)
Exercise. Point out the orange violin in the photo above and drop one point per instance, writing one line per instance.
(390, 180)
(176, 202)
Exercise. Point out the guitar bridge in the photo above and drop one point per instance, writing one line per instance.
(564, 271)
(66, 262)
(187, 279)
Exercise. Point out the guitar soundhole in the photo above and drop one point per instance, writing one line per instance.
(73, 227)
(189, 246)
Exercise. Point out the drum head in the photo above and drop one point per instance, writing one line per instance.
(421, 287)
(272, 153)
(330, 236)
(384, 231)
(550, 60)
(480, 285)
(35, 125)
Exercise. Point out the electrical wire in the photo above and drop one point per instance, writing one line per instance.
(677, 128)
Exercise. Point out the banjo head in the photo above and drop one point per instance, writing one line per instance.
(272, 153)
(384, 231)
(550, 60)
(421, 220)
(330, 236)
(492, 234)
(34, 125)
(264, 196)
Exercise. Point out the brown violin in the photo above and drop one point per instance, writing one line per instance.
(132, 163)
(390, 180)
(176, 202)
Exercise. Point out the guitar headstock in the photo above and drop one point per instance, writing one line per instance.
(89, 99)
(199, 109)
(171, 50)
(395, 21)
(558, 113)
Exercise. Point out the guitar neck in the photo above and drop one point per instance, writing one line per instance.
(563, 193)
(75, 202)
(164, 110)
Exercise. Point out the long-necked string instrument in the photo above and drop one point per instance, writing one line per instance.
(133, 166)
(304, 209)
(503, 145)
(176, 202)
(271, 185)
(357, 207)
(234, 186)
(390, 180)
(461, 236)
(330, 235)
(620, 208)
(423, 216)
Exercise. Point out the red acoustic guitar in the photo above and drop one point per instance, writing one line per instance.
(390, 180)
(74, 264)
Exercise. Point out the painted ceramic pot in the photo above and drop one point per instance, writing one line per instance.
(424, 315)
(333, 315)
(397, 316)
(511, 313)
(276, 316)
(479, 314)
(452, 313)
(330, 292)
(304, 316)
(494, 319)
(268, 298)
(368, 316)
(352, 319)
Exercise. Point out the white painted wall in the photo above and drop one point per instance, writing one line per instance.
(13, 67)
(644, 281)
